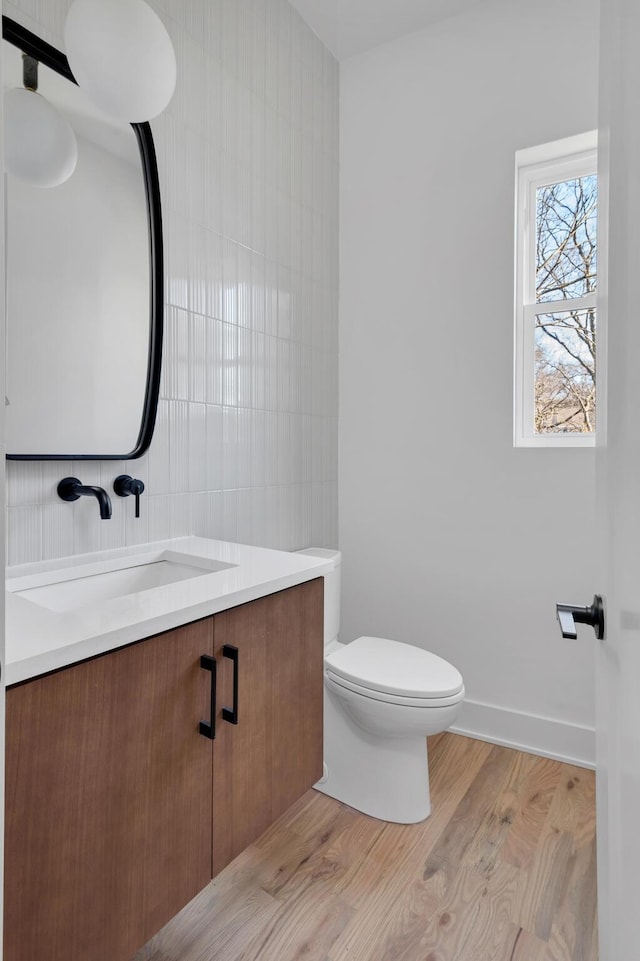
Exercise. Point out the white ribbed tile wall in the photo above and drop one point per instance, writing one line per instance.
(245, 446)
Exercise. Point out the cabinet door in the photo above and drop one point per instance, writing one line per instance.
(108, 807)
(274, 753)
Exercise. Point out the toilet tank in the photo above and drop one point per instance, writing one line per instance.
(331, 591)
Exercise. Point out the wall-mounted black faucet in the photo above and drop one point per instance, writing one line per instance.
(71, 489)
(125, 485)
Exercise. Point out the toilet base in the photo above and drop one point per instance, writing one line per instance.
(384, 777)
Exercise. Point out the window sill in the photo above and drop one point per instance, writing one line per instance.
(556, 440)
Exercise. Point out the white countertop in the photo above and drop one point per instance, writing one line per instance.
(39, 640)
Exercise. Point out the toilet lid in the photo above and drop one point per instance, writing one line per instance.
(379, 664)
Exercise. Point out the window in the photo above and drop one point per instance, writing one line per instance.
(556, 233)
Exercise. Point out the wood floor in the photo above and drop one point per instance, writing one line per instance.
(503, 870)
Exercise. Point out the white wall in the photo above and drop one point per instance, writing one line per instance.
(452, 539)
(246, 438)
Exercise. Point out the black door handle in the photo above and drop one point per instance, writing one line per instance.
(208, 728)
(569, 615)
(231, 714)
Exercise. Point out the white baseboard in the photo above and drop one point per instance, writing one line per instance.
(545, 736)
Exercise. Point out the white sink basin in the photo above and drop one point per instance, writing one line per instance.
(75, 587)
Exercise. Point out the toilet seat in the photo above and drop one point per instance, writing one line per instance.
(420, 702)
(387, 670)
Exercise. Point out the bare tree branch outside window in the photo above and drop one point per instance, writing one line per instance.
(565, 337)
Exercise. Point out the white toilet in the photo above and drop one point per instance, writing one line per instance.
(381, 699)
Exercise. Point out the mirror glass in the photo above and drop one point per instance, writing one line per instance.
(84, 286)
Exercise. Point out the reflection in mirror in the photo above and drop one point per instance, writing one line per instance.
(84, 284)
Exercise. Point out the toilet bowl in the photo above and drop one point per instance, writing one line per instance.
(381, 700)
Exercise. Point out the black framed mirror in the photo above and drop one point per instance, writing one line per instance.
(84, 282)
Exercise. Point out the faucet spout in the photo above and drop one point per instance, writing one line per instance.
(71, 489)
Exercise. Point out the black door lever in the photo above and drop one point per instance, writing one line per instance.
(569, 615)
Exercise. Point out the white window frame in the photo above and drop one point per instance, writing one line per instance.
(548, 163)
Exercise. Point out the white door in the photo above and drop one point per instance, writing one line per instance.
(2, 512)
(618, 484)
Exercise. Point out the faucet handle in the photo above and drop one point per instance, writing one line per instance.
(124, 485)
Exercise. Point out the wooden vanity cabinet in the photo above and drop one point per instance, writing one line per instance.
(273, 754)
(108, 806)
(118, 810)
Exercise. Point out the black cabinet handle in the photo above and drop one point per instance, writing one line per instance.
(231, 714)
(208, 729)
